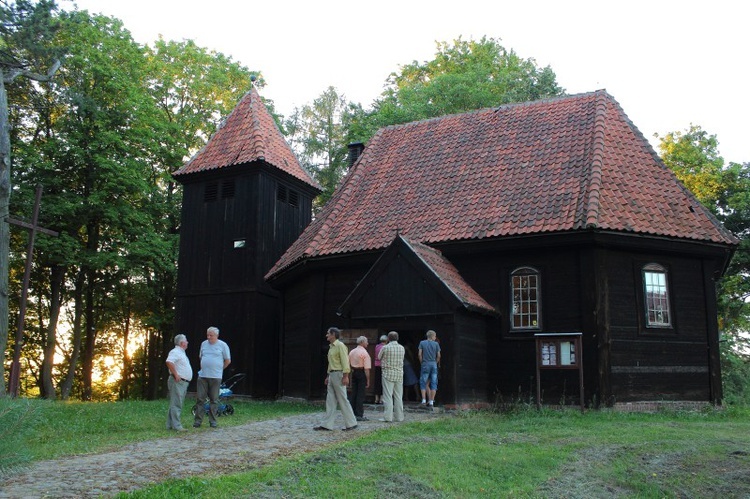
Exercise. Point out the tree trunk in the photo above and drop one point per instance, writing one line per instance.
(67, 385)
(56, 281)
(4, 226)
(87, 361)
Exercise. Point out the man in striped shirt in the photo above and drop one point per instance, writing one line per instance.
(392, 363)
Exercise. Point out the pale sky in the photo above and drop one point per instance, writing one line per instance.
(668, 63)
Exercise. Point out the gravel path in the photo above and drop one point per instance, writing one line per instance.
(138, 465)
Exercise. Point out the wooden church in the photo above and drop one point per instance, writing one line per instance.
(499, 229)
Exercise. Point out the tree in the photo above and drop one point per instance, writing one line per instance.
(318, 133)
(693, 156)
(25, 29)
(463, 76)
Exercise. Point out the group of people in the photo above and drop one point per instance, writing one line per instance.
(344, 368)
(354, 367)
(214, 358)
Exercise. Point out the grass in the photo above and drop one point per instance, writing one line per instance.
(526, 453)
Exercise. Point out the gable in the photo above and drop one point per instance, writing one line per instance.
(410, 280)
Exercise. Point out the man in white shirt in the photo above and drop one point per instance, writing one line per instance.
(180, 374)
(214, 355)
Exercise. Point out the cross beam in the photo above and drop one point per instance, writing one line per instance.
(15, 367)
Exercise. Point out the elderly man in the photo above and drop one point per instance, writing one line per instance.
(215, 357)
(392, 364)
(360, 363)
(180, 374)
(336, 381)
(429, 357)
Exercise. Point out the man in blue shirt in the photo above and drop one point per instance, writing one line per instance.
(429, 357)
(215, 357)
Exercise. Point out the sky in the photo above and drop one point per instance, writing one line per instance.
(668, 63)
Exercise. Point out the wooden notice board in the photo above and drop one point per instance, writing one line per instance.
(558, 351)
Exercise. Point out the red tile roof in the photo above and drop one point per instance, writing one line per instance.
(564, 164)
(447, 273)
(248, 134)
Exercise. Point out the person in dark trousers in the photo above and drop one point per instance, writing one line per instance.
(361, 364)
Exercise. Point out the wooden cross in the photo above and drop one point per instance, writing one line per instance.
(15, 367)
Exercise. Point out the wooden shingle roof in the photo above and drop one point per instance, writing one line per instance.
(247, 135)
(566, 164)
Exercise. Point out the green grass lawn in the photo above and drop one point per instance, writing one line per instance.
(526, 453)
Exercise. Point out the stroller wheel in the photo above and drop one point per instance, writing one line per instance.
(229, 410)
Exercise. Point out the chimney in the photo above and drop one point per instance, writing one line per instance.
(355, 151)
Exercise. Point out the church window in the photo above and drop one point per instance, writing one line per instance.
(525, 299)
(656, 294)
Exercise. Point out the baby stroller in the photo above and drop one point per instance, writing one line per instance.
(225, 392)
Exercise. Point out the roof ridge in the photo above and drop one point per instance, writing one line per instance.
(597, 160)
(509, 105)
(257, 137)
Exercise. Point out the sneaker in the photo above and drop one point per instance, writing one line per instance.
(214, 425)
(349, 429)
(362, 418)
(383, 420)
(196, 425)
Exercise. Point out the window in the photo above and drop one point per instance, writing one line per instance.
(656, 294)
(281, 193)
(211, 192)
(227, 189)
(525, 289)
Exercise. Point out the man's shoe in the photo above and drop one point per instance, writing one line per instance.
(214, 425)
(349, 429)
(321, 428)
(196, 425)
(362, 418)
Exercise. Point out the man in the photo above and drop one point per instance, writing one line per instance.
(429, 357)
(214, 355)
(360, 363)
(180, 374)
(336, 382)
(392, 364)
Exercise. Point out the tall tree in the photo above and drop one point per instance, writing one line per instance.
(25, 28)
(463, 76)
(318, 133)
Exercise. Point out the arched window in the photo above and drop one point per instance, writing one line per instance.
(525, 304)
(656, 295)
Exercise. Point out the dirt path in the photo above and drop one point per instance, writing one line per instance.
(135, 466)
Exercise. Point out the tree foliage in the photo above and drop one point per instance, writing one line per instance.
(318, 133)
(463, 76)
(103, 139)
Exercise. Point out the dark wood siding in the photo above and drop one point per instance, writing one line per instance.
(233, 230)
(671, 363)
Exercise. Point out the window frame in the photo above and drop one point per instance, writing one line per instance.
(650, 303)
(526, 271)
